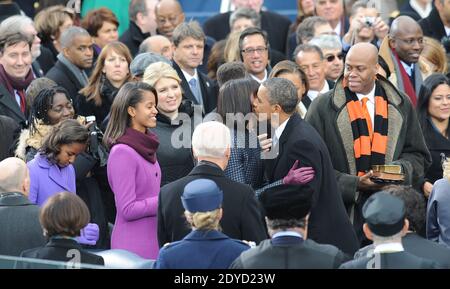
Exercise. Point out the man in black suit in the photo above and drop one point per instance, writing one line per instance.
(19, 218)
(437, 23)
(76, 56)
(211, 146)
(287, 210)
(189, 41)
(386, 225)
(412, 242)
(142, 24)
(311, 60)
(296, 140)
(276, 26)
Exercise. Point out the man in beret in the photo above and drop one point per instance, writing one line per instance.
(385, 226)
(412, 242)
(205, 247)
(287, 209)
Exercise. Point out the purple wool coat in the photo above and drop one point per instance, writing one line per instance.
(47, 179)
(135, 183)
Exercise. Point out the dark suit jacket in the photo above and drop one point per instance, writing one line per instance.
(399, 260)
(328, 222)
(19, 224)
(9, 107)
(407, 10)
(10, 131)
(437, 144)
(133, 37)
(58, 250)
(241, 220)
(208, 88)
(432, 26)
(46, 59)
(307, 101)
(276, 26)
(290, 255)
(418, 246)
(65, 78)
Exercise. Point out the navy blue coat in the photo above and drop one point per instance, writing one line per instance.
(201, 250)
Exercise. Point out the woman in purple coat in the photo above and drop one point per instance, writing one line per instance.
(133, 171)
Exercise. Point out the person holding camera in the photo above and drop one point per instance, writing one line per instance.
(50, 107)
(365, 26)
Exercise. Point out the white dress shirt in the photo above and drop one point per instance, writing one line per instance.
(279, 131)
(260, 80)
(370, 104)
(389, 248)
(312, 94)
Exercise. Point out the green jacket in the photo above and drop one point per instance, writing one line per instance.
(406, 146)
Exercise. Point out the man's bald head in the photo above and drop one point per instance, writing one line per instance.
(364, 50)
(406, 38)
(361, 66)
(14, 176)
(157, 44)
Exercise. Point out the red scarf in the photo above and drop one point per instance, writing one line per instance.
(144, 144)
(407, 85)
(20, 85)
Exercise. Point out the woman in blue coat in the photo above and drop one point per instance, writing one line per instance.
(205, 247)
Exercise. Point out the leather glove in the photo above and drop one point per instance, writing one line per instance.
(299, 176)
(89, 235)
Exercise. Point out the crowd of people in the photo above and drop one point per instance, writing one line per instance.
(249, 142)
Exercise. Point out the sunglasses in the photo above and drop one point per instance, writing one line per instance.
(330, 58)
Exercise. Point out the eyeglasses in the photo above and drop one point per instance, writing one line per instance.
(259, 50)
(330, 58)
(411, 41)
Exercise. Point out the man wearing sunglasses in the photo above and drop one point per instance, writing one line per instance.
(332, 51)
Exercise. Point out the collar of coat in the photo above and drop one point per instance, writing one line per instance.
(205, 235)
(14, 199)
(395, 119)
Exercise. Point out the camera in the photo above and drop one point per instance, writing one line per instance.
(96, 148)
(369, 21)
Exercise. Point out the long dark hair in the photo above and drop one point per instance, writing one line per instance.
(42, 104)
(235, 97)
(66, 132)
(425, 92)
(130, 94)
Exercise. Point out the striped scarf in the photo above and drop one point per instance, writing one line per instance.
(368, 151)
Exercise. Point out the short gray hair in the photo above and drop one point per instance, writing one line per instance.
(143, 60)
(69, 35)
(211, 139)
(246, 13)
(13, 172)
(281, 224)
(389, 239)
(307, 28)
(308, 48)
(282, 92)
(327, 42)
(15, 24)
(187, 29)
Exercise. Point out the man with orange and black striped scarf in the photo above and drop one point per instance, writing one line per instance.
(366, 121)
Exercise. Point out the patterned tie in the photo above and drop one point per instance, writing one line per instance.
(195, 90)
(366, 115)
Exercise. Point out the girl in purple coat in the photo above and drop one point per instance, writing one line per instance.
(51, 170)
(133, 171)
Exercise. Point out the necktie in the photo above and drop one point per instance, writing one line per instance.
(366, 115)
(195, 90)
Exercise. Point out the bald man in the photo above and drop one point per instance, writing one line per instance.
(401, 50)
(157, 44)
(19, 218)
(366, 121)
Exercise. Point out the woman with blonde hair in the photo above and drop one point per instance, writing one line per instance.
(433, 58)
(110, 73)
(175, 162)
(205, 247)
